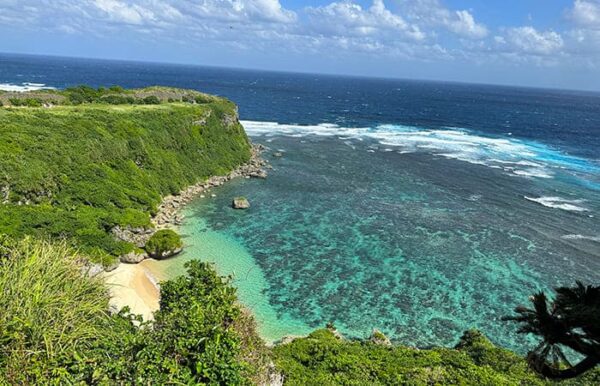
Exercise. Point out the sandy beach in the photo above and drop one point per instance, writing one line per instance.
(135, 286)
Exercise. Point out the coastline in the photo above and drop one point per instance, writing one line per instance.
(168, 215)
(137, 285)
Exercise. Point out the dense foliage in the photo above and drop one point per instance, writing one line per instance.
(572, 321)
(163, 242)
(75, 172)
(324, 359)
(55, 326)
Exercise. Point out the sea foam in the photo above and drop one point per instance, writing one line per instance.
(23, 87)
(559, 203)
(513, 156)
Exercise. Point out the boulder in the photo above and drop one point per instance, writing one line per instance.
(240, 203)
(133, 257)
(112, 266)
(259, 174)
(166, 254)
(92, 270)
(378, 337)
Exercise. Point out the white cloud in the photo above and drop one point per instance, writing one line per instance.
(349, 19)
(464, 24)
(586, 13)
(238, 10)
(122, 12)
(528, 40)
(433, 13)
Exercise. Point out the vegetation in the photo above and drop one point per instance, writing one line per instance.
(163, 242)
(324, 359)
(51, 313)
(571, 321)
(55, 326)
(104, 157)
(75, 172)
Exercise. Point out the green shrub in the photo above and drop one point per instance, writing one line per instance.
(117, 99)
(323, 359)
(193, 340)
(202, 99)
(151, 100)
(33, 102)
(163, 242)
(116, 89)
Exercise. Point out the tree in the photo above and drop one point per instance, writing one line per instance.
(572, 320)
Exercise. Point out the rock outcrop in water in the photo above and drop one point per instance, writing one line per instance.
(168, 212)
(240, 203)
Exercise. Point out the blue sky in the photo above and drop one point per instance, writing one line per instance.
(548, 43)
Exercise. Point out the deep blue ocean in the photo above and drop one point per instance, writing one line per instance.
(419, 208)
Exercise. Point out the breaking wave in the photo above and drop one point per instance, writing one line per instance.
(559, 203)
(513, 156)
(26, 86)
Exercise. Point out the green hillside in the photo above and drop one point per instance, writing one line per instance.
(76, 171)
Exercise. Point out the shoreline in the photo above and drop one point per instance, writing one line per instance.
(137, 285)
(168, 211)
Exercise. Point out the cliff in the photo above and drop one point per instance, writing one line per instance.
(86, 161)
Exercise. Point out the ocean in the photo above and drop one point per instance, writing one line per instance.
(418, 208)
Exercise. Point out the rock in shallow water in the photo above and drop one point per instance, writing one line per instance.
(240, 203)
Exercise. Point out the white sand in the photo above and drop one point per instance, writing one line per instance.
(133, 285)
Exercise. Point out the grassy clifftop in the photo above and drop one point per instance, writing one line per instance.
(78, 168)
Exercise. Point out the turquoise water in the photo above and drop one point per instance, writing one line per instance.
(417, 245)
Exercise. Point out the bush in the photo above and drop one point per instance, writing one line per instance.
(117, 99)
(200, 99)
(116, 89)
(323, 359)
(193, 340)
(163, 243)
(151, 100)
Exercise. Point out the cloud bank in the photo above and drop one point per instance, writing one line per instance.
(417, 30)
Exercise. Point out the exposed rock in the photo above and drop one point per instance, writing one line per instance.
(229, 120)
(378, 337)
(288, 339)
(240, 203)
(166, 254)
(133, 257)
(278, 154)
(167, 214)
(91, 269)
(112, 266)
(136, 236)
(259, 174)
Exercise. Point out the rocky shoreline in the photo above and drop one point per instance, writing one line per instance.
(168, 215)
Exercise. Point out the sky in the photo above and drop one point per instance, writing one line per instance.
(543, 43)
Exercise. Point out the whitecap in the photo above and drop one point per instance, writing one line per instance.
(581, 237)
(23, 87)
(516, 157)
(559, 203)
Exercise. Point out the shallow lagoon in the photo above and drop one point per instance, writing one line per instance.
(419, 245)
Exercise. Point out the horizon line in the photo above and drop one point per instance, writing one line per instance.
(328, 74)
